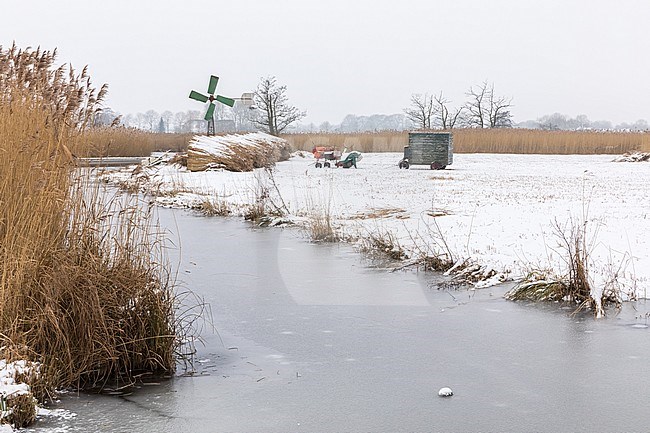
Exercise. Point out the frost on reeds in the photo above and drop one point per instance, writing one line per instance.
(235, 152)
(83, 288)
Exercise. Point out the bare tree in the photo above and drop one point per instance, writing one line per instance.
(243, 116)
(485, 109)
(500, 115)
(421, 110)
(168, 117)
(179, 121)
(444, 118)
(554, 121)
(477, 110)
(139, 121)
(276, 113)
(151, 118)
(325, 126)
(582, 121)
(107, 117)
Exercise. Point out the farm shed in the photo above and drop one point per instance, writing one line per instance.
(434, 149)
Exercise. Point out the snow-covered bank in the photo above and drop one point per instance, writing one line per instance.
(500, 211)
(17, 404)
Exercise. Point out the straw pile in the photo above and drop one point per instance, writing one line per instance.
(236, 152)
(633, 157)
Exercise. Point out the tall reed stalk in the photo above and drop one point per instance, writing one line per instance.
(81, 291)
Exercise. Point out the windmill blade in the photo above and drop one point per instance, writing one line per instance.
(213, 84)
(210, 112)
(229, 102)
(198, 97)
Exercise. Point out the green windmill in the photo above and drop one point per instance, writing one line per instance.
(209, 114)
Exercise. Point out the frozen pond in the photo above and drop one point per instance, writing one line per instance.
(311, 339)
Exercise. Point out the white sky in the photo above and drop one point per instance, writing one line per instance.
(353, 56)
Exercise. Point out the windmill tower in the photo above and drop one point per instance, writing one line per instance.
(209, 114)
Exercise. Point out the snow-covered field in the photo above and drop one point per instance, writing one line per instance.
(499, 211)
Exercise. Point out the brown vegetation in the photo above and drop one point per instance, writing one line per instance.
(574, 286)
(499, 140)
(83, 289)
(236, 152)
(120, 141)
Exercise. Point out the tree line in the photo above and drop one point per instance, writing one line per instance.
(272, 112)
(483, 109)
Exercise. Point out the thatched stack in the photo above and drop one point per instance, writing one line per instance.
(236, 152)
(633, 157)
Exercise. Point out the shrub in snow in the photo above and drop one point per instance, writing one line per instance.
(17, 404)
(633, 157)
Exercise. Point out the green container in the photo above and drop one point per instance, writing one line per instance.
(435, 149)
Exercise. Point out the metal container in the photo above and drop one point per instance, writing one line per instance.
(435, 149)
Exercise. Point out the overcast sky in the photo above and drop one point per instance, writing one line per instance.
(363, 57)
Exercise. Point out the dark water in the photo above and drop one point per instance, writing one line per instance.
(312, 340)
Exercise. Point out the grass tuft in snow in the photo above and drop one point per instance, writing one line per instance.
(320, 228)
(537, 287)
(267, 203)
(381, 245)
(214, 206)
(573, 285)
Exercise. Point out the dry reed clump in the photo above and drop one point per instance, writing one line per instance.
(574, 285)
(438, 263)
(500, 140)
(267, 207)
(537, 287)
(83, 287)
(320, 227)
(236, 152)
(20, 382)
(382, 245)
(18, 410)
(214, 206)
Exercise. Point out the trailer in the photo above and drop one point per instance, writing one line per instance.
(435, 149)
(330, 156)
(326, 154)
